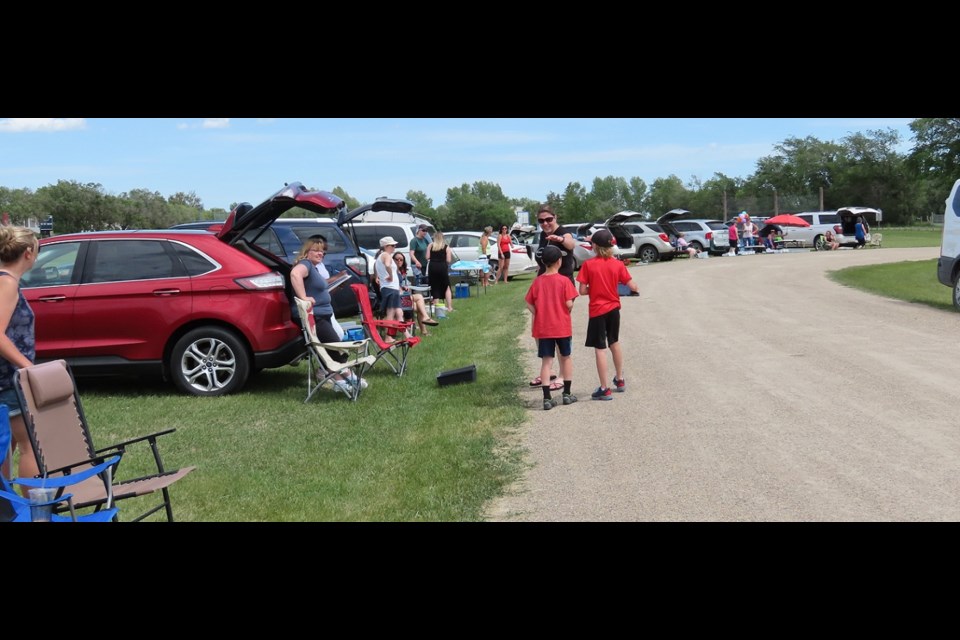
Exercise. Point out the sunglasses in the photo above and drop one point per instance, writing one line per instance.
(543, 220)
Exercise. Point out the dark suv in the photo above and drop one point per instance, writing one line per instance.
(204, 310)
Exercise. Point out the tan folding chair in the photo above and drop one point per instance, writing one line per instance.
(321, 367)
(62, 443)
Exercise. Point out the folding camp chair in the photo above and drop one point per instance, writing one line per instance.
(393, 353)
(321, 367)
(63, 445)
(14, 508)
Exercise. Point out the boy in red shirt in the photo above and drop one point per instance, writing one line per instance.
(550, 300)
(599, 278)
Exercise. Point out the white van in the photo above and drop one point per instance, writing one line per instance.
(948, 266)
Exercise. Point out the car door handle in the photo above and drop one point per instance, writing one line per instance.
(166, 292)
(51, 298)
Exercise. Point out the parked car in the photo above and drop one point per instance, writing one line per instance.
(948, 264)
(385, 217)
(285, 236)
(846, 226)
(812, 236)
(465, 245)
(583, 249)
(644, 240)
(702, 234)
(202, 309)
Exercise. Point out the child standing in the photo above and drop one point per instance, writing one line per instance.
(599, 278)
(550, 300)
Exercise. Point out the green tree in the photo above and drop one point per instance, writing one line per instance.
(668, 193)
(934, 162)
(474, 207)
(77, 207)
(186, 199)
(351, 202)
(422, 205)
(20, 204)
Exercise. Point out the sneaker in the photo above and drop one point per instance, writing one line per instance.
(354, 380)
(569, 398)
(619, 384)
(549, 404)
(602, 394)
(344, 387)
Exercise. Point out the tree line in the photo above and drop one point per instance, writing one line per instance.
(862, 169)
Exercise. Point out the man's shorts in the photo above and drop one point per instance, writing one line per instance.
(9, 398)
(547, 347)
(389, 299)
(603, 330)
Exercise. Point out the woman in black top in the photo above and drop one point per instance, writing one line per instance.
(551, 233)
(439, 258)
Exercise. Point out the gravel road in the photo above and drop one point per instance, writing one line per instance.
(757, 390)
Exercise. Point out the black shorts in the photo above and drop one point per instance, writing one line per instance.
(548, 347)
(603, 330)
(389, 299)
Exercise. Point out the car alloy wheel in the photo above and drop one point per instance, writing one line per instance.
(648, 254)
(209, 361)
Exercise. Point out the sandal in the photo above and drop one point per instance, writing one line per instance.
(556, 386)
(537, 382)
(431, 322)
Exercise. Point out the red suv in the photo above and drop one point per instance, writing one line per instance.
(200, 309)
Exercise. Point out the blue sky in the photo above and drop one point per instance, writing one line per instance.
(225, 160)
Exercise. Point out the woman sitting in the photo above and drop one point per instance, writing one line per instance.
(683, 245)
(830, 241)
(413, 302)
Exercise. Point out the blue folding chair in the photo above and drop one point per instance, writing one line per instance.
(15, 508)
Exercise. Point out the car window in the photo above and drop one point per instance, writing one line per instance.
(194, 262)
(829, 218)
(266, 240)
(656, 228)
(368, 235)
(54, 266)
(123, 260)
(717, 226)
(687, 226)
(466, 242)
(335, 241)
(807, 217)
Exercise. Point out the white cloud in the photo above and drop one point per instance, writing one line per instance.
(21, 125)
(216, 123)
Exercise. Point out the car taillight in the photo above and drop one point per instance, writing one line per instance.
(709, 235)
(357, 264)
(272, 280)
(665, 238)
(837, 228)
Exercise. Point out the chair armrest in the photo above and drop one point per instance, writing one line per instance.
(152, 438)
(70, 478)
(346, 347)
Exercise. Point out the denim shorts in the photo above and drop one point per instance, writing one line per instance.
(9, 398)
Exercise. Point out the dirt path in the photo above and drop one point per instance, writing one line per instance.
(852, 410)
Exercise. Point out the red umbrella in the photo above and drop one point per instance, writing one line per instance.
(787, 220)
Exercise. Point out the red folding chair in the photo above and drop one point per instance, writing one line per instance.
(393, 353)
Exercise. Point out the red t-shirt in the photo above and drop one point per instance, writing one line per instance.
(549, 294)
(603, 275)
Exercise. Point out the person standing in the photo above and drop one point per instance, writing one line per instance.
(503, 254)
(600, 278)
(486, 246)
(18, 253)
(748, 232)
(552, 234)
(389, 280)
(418, 253)
(734, 238)
(439, 258)
(550, 300)
(860, 233)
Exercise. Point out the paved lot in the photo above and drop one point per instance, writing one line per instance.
(817, 403)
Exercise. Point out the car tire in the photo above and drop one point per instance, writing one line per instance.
(209, 361)
(956, 292)
(819, 243)
(648, 253)
(696, 245)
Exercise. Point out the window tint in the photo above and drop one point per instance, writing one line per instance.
(687, 226)
(54, 266)
(655, 227)
(829, 218)
(718, 226)
(807, 217)
(330, 233)
(368, 235)
(193, 261)
(267, 240)
(122, 260)
(467, 241)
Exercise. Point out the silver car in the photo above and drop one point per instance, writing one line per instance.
(702, 234)
(465, 245)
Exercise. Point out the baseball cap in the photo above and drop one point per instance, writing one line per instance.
(602, 238)
(551, 253)
(386, 240)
